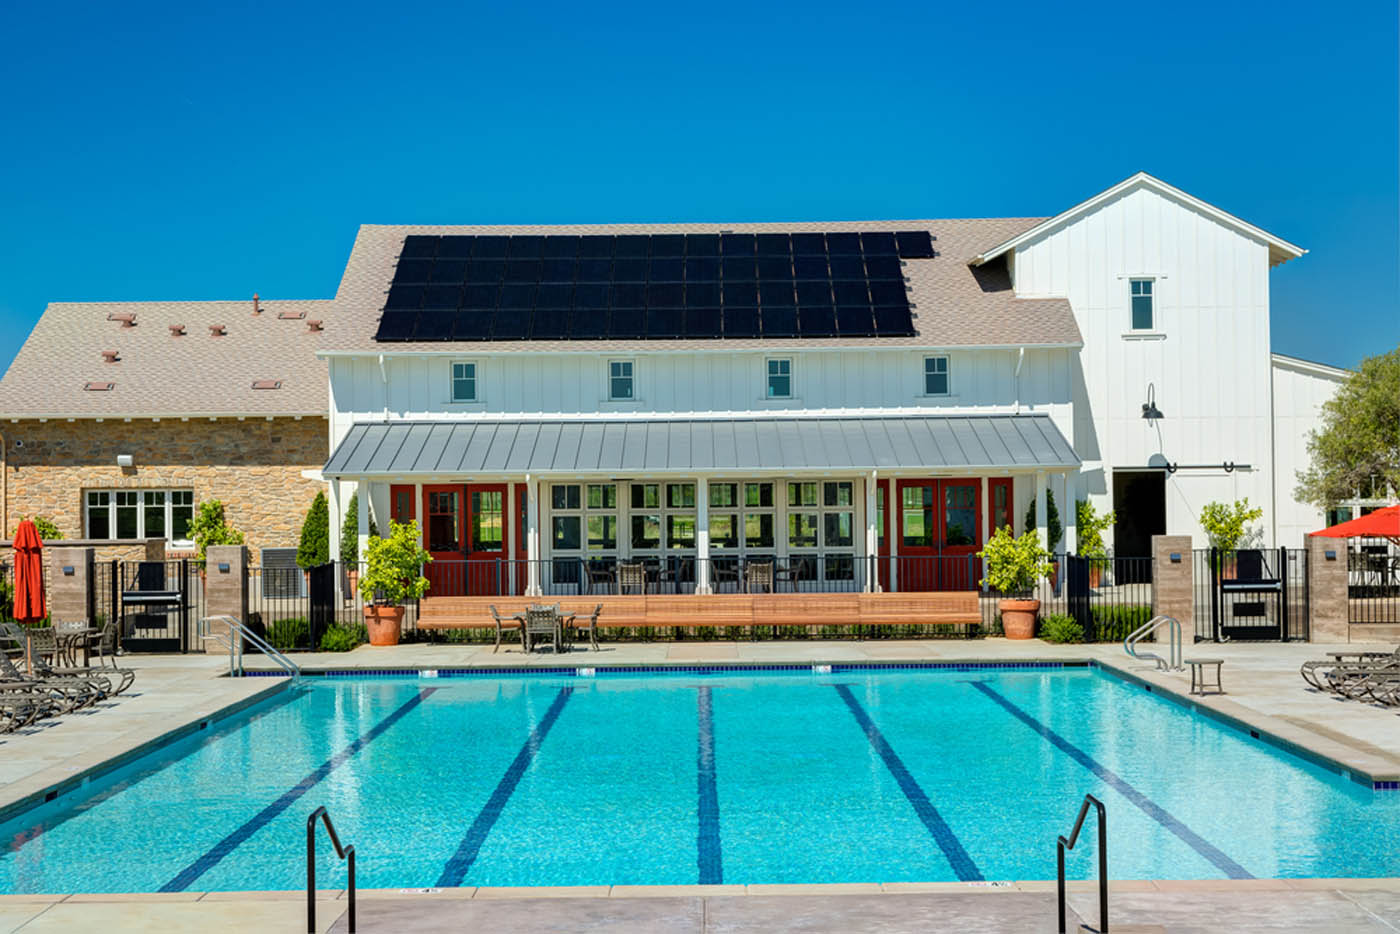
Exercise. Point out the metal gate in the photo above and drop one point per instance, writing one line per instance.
(152, 599)
(321, 592)
(1258, 594)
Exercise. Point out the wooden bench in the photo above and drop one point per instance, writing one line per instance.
(692, 610)
(938, 608)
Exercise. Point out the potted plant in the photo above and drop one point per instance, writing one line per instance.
(393, 574)
(350, 540)
(314, 549)
(210, 527)
(1089, 528)
(1225, 527)
(1014, 566)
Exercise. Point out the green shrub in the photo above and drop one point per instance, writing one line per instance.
(290, 633)
(341, 638)
(1115, 623)
(44, 526)
(210, 527)
(350, 532)
(315, 547)
(1228, 525)
(1052, 520)
(1061, 629)
(1089, 527)
(393, 570)
(1014, 565)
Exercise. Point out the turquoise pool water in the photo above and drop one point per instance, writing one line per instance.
(868, 775)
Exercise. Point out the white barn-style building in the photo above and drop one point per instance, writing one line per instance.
(835, 400)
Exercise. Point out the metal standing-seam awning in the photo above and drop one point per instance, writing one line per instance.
(690, 446)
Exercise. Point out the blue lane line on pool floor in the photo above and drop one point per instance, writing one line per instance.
(943, 835)
(1149, 807)
(709, 855)
(456, 869)
(227, 845)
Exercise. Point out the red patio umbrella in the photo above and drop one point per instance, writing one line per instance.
(1383, 523)
(29, 573)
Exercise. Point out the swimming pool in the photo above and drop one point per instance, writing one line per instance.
(737, 777)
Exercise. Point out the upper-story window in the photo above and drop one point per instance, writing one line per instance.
(621, 385)
(780, 378)
(464, 382)
(1142, 304)
(935, 376)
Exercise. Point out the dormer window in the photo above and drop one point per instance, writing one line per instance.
(1142, 311)
(463, 382)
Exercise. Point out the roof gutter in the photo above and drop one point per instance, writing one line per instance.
(482, 349)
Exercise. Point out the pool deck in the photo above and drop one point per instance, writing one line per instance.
(175, 694)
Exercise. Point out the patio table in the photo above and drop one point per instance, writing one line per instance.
(71, 640)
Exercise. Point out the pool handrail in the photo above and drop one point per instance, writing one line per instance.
(345, 853)
(235, 646)
(1068, 844)
(1147, 629)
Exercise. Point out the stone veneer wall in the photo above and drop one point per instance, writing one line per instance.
(254, 466)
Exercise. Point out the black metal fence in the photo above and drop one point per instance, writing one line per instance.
(1251, 594)
(293, 608)
(1373, 581)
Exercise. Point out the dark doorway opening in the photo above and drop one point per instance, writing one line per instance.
(1140, 512)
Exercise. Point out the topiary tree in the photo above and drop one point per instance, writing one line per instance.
(394, 567)
(1052, 520)
(1014, 565)
(210, 527)
(350, 532)
(315, 547)
(1089, 527)
(1225, 525)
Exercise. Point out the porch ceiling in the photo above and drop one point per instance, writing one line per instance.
(703, 446)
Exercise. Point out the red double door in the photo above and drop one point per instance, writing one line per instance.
(465, 532)
(939, 529)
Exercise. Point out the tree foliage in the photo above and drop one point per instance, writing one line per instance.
(1089, 526)
(1226, 525)
(210, 527)
(394, 566)
(1014, 565)
(1052, 520)
(315, 547)
(48, 532)
(1359, 440)
(350, 532)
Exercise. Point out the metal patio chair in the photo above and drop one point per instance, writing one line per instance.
(758, 577)
(542, 621)
(502, 625)
(633, 574)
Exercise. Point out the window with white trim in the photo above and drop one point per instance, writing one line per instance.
(935, 376)
(463, 381)
(1142, 311)
(584, 518)
(138, 514)
(780, 378)
(621, 386)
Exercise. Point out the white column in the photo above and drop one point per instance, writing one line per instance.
(702, 535)
(872, 534)
(532, 535)
(1070, 512)
(1041, 513)
(337, 521)
(362, 501)
(893, 515)
(420, 515)
(986, 521)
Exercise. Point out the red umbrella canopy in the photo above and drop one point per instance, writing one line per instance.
(1383, 523)
(29, 573)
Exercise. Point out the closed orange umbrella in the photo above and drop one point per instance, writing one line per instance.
(29, 573)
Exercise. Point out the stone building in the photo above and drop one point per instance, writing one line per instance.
(118, 419)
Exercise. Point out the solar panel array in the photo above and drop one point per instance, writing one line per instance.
(652, 287)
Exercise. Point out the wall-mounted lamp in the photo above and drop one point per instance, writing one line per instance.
(1149, 408)
(223, 567)
(1175, 557)
(1330, 555)
(124, 460)
(68, 570)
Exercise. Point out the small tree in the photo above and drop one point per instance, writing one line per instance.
(47, 530)
(1358, 445)
(1014, 565)
(350, 532)
(210, 527)
(1225, 525)
(1089, 527)
(315, 547)
(1052, 520)
(394, 566)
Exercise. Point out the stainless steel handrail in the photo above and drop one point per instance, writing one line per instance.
(1068, 844)
(1147, 629)
(234, 638)
(346, 853)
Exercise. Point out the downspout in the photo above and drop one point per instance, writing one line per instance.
(1020, 359)
(1273, 460)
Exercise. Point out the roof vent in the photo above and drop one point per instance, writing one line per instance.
(314, 325)
(127, 318)
(267, 384)
(291, 315)
(217, 330)
(177, 330)
(257, 309)
(109, 356)
(99, 387)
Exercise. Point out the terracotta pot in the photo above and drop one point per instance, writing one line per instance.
(1018, 618)
(354, 578)
(1095, 575)
(384, 624)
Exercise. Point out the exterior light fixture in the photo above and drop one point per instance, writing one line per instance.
(124, 460)
(1149, 408)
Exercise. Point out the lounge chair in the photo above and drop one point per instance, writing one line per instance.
(104, 649)
(18, 709)
(65, 694)
(44, 648)
(502, 625)
(1314, 672)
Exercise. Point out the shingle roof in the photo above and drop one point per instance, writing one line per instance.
(955, 305)
(160, 374)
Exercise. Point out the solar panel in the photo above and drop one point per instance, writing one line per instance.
(639, 286)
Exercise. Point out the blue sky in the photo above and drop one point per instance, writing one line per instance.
(201, 151)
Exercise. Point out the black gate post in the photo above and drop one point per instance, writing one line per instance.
(1215, 593)
(115, 586)
(184, 605)
(1077, 570)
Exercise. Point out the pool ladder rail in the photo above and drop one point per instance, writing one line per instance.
(346, 853)
(1068, 844)
(1147, 629)
(230, 637)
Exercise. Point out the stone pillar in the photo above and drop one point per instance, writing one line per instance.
(155, 549)
(70, 582)
(1328, 611)
(1173, 585)
(225, 590)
